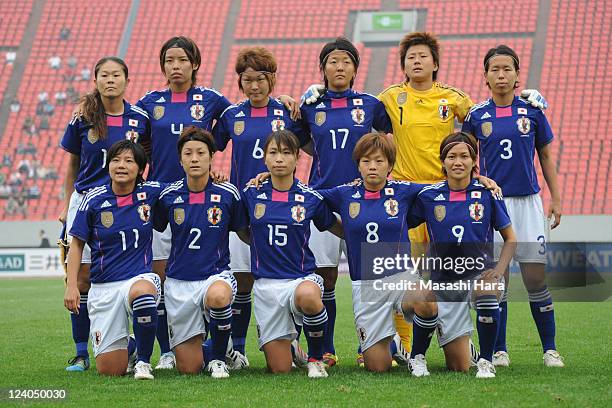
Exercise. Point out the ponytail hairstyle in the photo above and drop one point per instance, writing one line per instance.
(93, 109)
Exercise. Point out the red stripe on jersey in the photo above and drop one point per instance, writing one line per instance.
(179, 97)
(259, 112)
(339, 103)
(372, 195)
(503, 112)
(114, 121)
(282, 196)
(124, 201)
(197, 198)
(457, 195)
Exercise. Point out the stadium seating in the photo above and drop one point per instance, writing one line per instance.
(14, 16)
(270, 19)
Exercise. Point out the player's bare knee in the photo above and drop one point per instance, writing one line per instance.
(426, 309)
(244, 282)
(140, 288)
(377, 366)
(190, 366)
(458, 366)
(159, 268)
(279, 368)
(308, 297)
(218, 295)
(329, 275)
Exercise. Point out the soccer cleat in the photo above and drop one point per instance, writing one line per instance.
(401, 357)
(360, 360)
(330, 359)
(300, 358)
(218, 369)
(78, 363)
(501, 359)
(486, 369)
(474, 354)
(418, 366)
(143, 371)
(553, 359)
(316, 369)
(166, 361)
(236, 360)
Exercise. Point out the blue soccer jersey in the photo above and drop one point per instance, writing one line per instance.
(248, 128)
(375, 223)
(335, 124)
(119, 231)
(80, 139)
(460, 226)
(170, 113)
(200, 224)
(508, 137)
(280, 229)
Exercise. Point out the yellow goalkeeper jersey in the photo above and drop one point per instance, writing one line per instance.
(421, 119)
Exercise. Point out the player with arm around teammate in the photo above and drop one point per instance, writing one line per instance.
(247, 125)
(374, 218)
(106, 118)
(199, 287)
(115, 220)
(286, 289)
(461, 216)
(510, 132)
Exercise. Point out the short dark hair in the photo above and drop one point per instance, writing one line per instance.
(193, 133)
(259, 59)
(372, 142)
(420, 38)
(341, 44)
(137, 151)
(456, 138)
(501, 49)
(190, 48)
(283, 138)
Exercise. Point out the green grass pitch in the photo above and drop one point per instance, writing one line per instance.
(35, 343)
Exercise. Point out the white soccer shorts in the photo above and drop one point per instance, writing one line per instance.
(75, 201)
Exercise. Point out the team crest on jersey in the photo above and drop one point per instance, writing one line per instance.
(440, 212)
(358, 115)
(144, 210)
(391, 207)
(486, 128)
(106, 218)
(298, 213)
(132, 135)
(320, 118)
(92, 136)
(260, 210)
(443, 109)
(197, 111)
(354, 209)
(278, 124)
(238, 127)
(476, 211)
(524, 125)
(179, 215)
(158, 112)
(214, 215)
(402, 97)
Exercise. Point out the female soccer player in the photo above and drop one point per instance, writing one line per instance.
(461, 215)
(115, 221)
(374, 221)
(286, 289)
(105, 119)
(509, 132)
(199, 285)
(247, 125)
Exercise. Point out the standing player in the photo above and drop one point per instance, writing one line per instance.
(115, 221)
(461, 216)
(247, 126)
(199, 287)
(286, 289)
(374, 221)
(510, 131)
(341, 117)
(170, 110)
(105, 119)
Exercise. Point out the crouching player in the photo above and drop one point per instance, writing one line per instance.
(374, 218)
(115, 221)
(286, 289)
(199, 287)
(461, 216)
